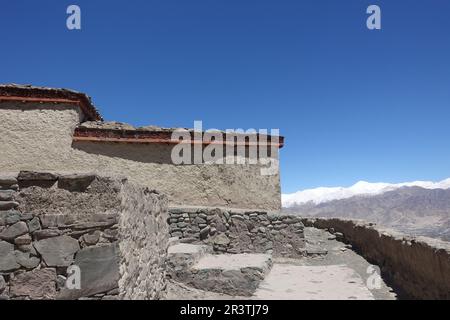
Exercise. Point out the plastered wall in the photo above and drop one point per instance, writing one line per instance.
(39, 137)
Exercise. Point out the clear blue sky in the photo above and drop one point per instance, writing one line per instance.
(353, 104)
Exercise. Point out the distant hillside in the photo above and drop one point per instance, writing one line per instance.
(413, 210)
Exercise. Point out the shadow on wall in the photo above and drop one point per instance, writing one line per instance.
(146, 153)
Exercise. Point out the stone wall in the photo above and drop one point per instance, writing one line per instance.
(40, 137)
(238, 231)
(114, 231)
(418, 267)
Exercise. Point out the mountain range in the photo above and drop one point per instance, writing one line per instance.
(420, 208)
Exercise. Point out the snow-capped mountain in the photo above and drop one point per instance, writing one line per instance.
(420, 207)
(361, 188)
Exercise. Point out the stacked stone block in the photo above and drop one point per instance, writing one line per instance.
(239, 231)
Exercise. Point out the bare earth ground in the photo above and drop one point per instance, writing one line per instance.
(339, 274)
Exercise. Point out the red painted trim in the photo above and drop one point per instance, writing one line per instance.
(147, 137)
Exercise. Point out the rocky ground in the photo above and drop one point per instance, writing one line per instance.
(331, 270)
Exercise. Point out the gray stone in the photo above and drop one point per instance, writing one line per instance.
(181, 224)
(57, 251)
(26, 216)
(204, 233)
(46, 233)
(12, 217)
(188, 240)
(221, 239)
(175, 211)
(299, 225)
(92, 238)
(8, 180)
(56, 220)
(177, 234)
(8, 259)
(6, 195)
(313, 250)
(339, 235)
(92, 225)
(28, 248)
(2, 284)
(23, 240)
(34, 224)
(111, 234)
(7, 205)
(79, 222)
(199, 220)
(26, 260)
(212, 231)
(36, 284)
(237, 216)
(41, 179)
(113, 292)
(100, 271)
(76, 182)
(13, 231)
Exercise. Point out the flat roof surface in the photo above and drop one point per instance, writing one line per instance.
(30, 94)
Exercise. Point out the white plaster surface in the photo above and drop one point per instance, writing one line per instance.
(188, 249)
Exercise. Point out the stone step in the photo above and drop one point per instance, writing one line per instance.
(315, 250)
(182, 256)
(233, 274)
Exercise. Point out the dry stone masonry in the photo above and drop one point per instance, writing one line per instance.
(114, 231)
(239, 231)
(419, 267)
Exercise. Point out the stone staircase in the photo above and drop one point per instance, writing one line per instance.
(234, 274)
(329, 269)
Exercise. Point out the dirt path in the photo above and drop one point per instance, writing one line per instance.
(331, 271)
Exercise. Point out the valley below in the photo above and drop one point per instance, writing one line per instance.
(412, 210)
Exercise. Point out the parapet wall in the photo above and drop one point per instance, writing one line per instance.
(239, 231)
(419, 267)
(113, 230)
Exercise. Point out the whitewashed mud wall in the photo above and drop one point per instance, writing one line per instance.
(39, 137)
